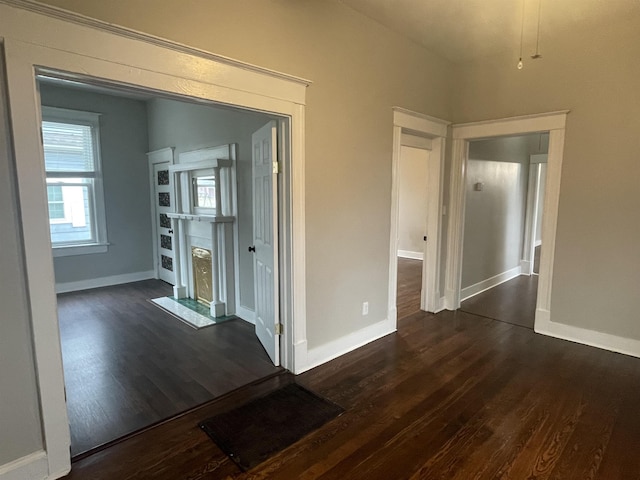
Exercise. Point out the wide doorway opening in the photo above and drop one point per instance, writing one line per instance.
(504, 194)
(164, 231)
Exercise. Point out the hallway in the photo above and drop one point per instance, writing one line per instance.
(511, 302)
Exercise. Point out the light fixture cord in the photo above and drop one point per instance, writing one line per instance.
(522, 28)
(538, 34)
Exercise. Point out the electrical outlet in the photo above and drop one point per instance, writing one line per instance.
(365, 308)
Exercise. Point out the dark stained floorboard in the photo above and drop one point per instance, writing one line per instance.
(449, 396)
(409, 286)
(129, 364)
(513, 301)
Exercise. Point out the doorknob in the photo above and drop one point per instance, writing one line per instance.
(252, 249)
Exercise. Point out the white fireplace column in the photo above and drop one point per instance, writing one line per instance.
(217, 307)
(179, 289)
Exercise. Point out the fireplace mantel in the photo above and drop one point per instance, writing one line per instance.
(201, 218)
(210, 228)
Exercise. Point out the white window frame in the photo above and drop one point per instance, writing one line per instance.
(97, 207)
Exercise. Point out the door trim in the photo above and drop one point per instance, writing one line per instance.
(95, 52)
(434, 129)
(554, 123)
(157, 156)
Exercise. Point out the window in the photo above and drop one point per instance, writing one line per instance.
(204, 192)
(74, 181)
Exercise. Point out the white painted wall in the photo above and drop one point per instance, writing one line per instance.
(412, 200)
(20, 432)
(188, 126)
(123, 144)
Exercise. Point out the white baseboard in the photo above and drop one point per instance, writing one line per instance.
(246, 314)
(300, 351)
(525, 267)
(413, 255)
(33, 466)
(448, 301)
(324, 353)
(442, 302)
(484, 285)
(392, 315)
(104, 281)
(606, 341)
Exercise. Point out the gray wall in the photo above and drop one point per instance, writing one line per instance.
(19, 410)
(187, 126)
(124, 144)
(360, 70)
(495, 216)
(588, 71)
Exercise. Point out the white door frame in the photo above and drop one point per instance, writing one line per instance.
(40, 37)
(436, 129)
(163, 155)
(531, 215)
(554, 123)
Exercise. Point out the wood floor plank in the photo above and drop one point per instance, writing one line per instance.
(513, 301)
(450, 396)
(129, 364)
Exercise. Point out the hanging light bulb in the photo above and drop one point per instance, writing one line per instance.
(520, 64)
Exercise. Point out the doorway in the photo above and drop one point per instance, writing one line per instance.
(463, 134)
(160, 67)
(412, 216)
(129, 364)
(500, 227)
(421, 139)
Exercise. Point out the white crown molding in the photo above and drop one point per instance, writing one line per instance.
(421, 115)
(536, 122)
(419, 122)
(79, 19)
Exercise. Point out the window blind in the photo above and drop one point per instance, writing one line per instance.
(67, 147)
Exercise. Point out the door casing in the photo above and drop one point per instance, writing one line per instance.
(435, 129)
(554, 123)
(39, 39)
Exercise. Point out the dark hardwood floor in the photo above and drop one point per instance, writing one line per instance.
(449, 396)
(409, 286)
(128, 364)
(512, 302)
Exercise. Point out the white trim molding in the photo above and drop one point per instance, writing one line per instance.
(30, 466)
(45, 40)
(484, 285)
(246, 314)
(104, 281)
(606, 341)
(336, 348)
(406, 122)
(411, 255)
(554, 123)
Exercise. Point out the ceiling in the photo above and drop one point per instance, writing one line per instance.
(463, 30)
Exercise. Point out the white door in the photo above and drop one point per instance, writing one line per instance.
(265, 239)
(163, 202)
